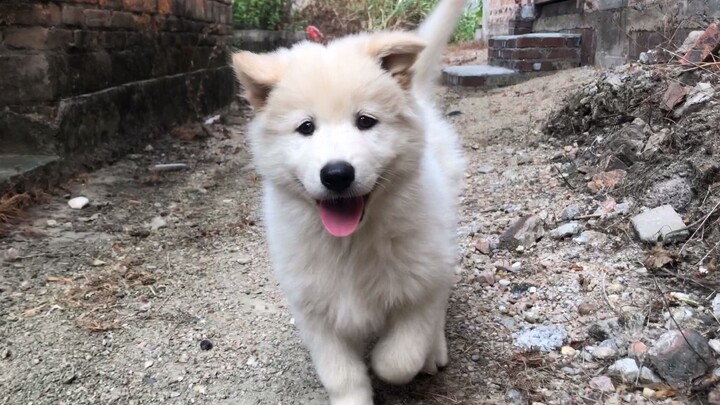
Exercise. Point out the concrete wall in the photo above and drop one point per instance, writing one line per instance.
(615, 31)
(87, 80)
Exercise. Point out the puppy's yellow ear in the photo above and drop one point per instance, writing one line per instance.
(397, 52)
(258, 74)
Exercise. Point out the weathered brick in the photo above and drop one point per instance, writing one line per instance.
(86, 40)
(26, 38)
(111, 4)
(98, 18)
(122, 20)
(539, 42)
(705, 46)
(112, 39)
(148, 6)
(59, 38)
(73, 15)
(29, 14)
(534, 65)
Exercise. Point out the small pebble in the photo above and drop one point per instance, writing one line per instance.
(206, 345)
(568, 351)
(517, 266)
(648, 393)
(586, 308)
(78, 203)
(51, 223)
(504, 282)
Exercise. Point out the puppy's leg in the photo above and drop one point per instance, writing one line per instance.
(414, 341)
(340, 366)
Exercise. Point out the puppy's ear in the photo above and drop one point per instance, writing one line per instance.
(397, 52)
(258, 74)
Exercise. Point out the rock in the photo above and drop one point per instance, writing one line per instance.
(648, 393)
(570, 213)
(678, 360)
(483, 246)
(206, 345)
(716, 306)
(51, 223)
(606, 181)
(637, 349)
(655, 142)
(715, 345)
(697, 96)
(568, 351)
(680, 316)
(566, 230)
(605, 329)
(628, 370)
(545, 338)
(487, 277)
(200, 389)
(623, 208)
(592, 238)
(12, 255)
(602, 384)
(648, 58)
(525, 232)
(148, 364)
(604, 353)
(674, 95)
(504, 282)
(660, 223)
(158, 223)
(516, 267)
(689, 42)
(586, 308)
(78, 203)
(486, 169)
(677, 192)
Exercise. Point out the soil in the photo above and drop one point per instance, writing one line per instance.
(160, 290)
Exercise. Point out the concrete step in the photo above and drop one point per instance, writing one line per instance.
(538, 52)
(16, 170)
(479, 76)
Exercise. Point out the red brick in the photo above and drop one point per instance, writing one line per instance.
(705, 47)
(111, 4)
(85, 39)
(539, 42)
(143, 22)
(165, 6)
(73, 15)
(148, 6)
(98, 18)
(26, 38)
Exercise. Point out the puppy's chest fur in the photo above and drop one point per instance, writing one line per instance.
(355, 285)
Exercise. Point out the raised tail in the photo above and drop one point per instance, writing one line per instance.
(436, 30)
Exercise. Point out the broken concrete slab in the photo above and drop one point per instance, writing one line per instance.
(707, 44)
(674, 95)
(661, 223)
(696, 97)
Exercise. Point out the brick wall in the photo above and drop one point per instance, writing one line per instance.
(88, 79)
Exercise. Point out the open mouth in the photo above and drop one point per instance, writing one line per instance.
(342, 216)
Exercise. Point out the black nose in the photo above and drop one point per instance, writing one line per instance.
(337, 176)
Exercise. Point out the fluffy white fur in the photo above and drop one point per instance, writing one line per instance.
(390, 279)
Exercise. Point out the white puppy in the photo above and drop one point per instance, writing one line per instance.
(361, 177)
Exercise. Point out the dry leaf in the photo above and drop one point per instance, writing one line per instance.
(659, 258)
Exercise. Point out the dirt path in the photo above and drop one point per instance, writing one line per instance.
(102, 308)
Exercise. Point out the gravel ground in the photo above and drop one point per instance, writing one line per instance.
(160, 290)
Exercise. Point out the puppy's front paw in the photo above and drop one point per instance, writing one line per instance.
(396, 363)
(357, 397)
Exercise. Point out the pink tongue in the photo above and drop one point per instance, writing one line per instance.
(341, 217)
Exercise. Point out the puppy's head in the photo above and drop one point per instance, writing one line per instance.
(335, 125)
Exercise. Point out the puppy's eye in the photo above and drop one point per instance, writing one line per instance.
(306, 128)
(365, 122)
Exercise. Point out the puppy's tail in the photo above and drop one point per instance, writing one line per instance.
(436, 30)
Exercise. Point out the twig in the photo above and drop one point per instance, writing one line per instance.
(700, 226)
(707, 254)
(563, 178)
(605, 296)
